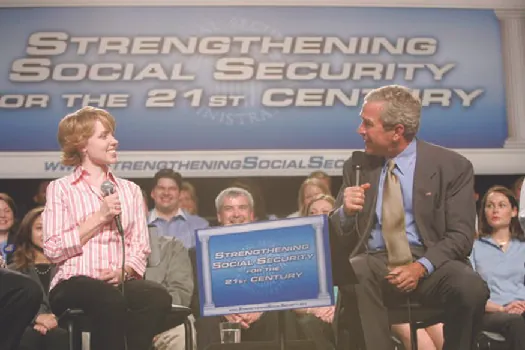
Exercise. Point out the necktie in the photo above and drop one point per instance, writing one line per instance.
(393, 220)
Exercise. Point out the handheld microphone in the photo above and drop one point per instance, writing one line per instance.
(108, 188)
(358, 158)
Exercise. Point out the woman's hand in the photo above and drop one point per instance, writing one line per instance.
(110, 207)
(110, 276)
(40, 329)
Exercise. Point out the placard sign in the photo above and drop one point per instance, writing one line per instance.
(264, 266)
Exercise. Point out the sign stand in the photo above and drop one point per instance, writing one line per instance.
(281, 326)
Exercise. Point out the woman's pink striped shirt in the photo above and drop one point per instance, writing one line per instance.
(70, 201)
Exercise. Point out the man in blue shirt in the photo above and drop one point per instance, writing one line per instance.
(434, 229)
(167, 215)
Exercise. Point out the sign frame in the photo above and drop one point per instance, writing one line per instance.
(314, 228)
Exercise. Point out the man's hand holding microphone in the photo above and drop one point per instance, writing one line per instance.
(354, 199)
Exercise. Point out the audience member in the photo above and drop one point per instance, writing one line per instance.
(259, 210)
(517, 186)
(316, 323)
(172, 269)
(499, 257)
(7, 226)
(188, 198)
(167, 215)
(322, 204)
(234, 206)
(39, 199)
(29, 259)
(321, 175)
(20, 298)
(310, 188)
(169, 264)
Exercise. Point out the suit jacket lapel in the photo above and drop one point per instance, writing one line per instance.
(422, 192)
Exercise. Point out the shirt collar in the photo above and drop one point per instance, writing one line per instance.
(153, 215)
(404, 159)
(79, 173)
(491, 241)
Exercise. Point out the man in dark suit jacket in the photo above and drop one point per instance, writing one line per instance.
(438, 200)
(20, 298)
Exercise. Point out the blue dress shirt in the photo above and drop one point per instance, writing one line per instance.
(504, 271)
(404, 170)
(182, 226)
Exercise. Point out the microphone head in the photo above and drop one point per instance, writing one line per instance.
(107, 188)
(358, 158)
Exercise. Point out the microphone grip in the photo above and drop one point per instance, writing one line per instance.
(118, 222)
(357, 175)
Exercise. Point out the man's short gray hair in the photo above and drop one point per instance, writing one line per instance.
(232, 192)
(401, 107)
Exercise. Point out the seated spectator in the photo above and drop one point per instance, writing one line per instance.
(7, 226)
(310, 188)
(20, 298)
(499, 257)
(169, 265)
(517, 186)
(321, 175)
(39, 199)
(235, 206)
(322, 204)
(29, 259)
(259, 209)
(168, 215)
(172, 269)
(188, 198)
(316, 323)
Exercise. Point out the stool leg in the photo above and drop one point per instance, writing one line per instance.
(71, 334)
(188, 334)
(413, 336)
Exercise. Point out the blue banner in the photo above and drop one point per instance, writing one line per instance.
(274, 265)
(247, 78)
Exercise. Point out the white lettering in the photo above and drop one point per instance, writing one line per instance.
(25, 101)
(30, 69)
(439, 72)
(47, 43)
(467, 98)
